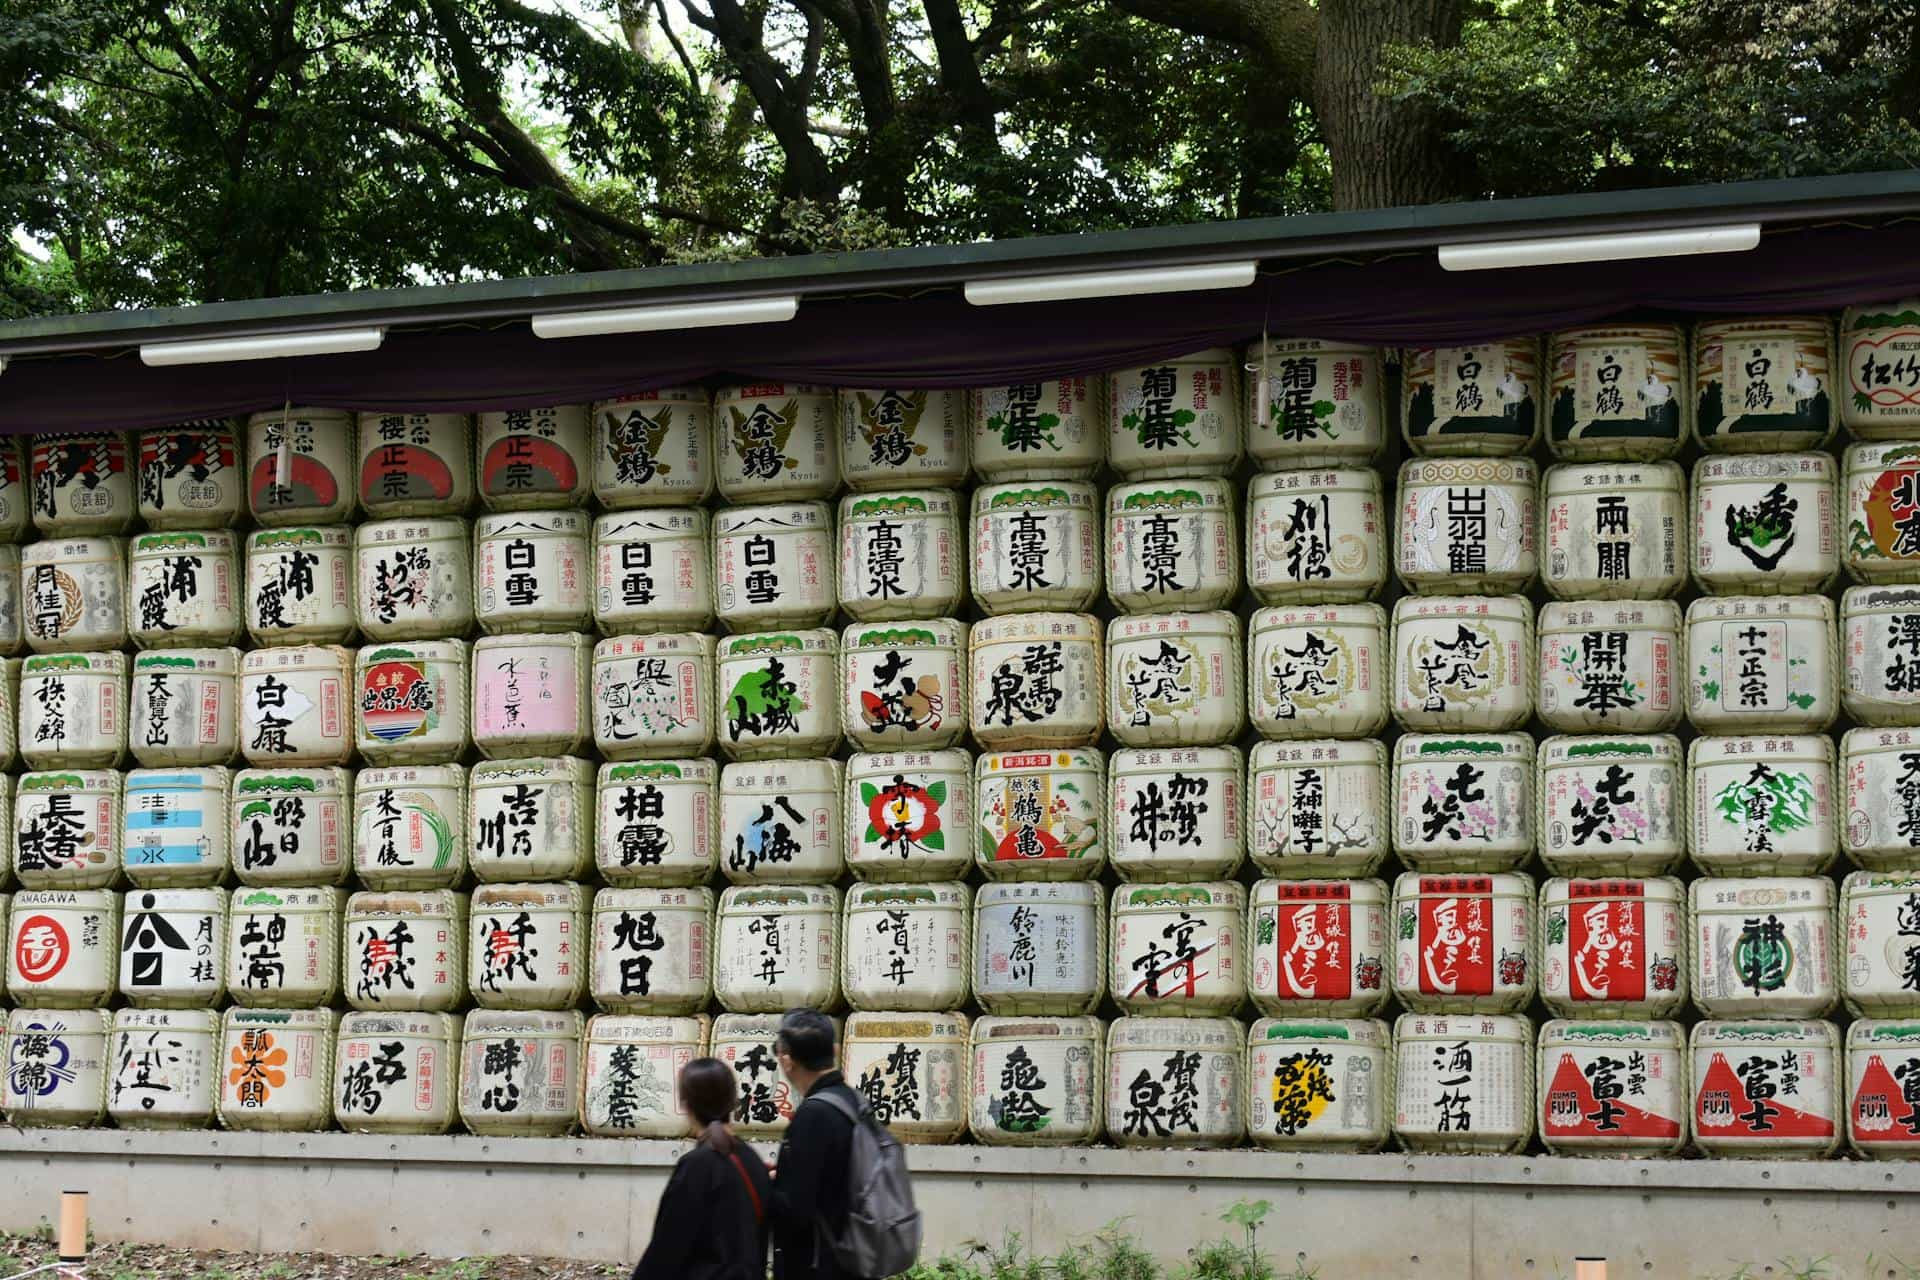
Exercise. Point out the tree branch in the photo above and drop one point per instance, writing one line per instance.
(1281, 33)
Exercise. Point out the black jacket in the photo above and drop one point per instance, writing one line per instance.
(811, 1189)
(705, 1227)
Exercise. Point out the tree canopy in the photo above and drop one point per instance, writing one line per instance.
(165, 151)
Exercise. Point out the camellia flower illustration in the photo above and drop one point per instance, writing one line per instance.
(905, 814)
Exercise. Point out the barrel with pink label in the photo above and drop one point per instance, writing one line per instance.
(1612, 806)
(1464, 802)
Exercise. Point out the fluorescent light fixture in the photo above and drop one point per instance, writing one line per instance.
(268, 346)
(1110, 284)
(1489, 255)
(686, 315)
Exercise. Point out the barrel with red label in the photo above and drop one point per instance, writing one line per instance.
(1613, 948)
(1318, 948)
(1613, 1089)
(1464, 943)
(1766, 1089)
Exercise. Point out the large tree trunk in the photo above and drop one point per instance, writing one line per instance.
(1384, 152)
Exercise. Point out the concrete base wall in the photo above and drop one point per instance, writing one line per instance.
(1350, 1216)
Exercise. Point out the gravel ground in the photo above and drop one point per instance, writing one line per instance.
(155, 1262)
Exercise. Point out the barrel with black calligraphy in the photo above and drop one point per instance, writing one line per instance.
(1463, 1082)
(1767, 1089)
(630, 1080)
(1037, 1081)
(1175, 1082)
(1613, 1089)
(520, 1072)
(1319, 1084)
(396, 1072)
(57, 1066)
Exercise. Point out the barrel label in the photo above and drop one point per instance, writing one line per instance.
(1764, 1092)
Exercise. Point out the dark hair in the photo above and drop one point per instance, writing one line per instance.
(708, 1092)
(806, 1035)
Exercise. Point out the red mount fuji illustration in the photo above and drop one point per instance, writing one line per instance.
(1784, 1120)
(311, 484)
(1631, 1122)
(425, 473)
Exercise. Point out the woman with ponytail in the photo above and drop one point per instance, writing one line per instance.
(711, 1223)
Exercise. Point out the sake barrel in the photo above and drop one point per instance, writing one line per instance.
(904, 946)
(1175, 1082)
(1464, 943)
(1314, 402)
(290, 826)
(66, 829)
(1039, 947)
(1619, 391)
(1176, 813)
(1882, 1117)
(1615, 531)
(1176, 418)
(1464, 803)
(529, 459)
(774, 566)
(405, 952)
(906, 815)
(1613, 948)
(177, 827)
(654, 449)
(56, 1068)
(777, 441)
(1177, 950)
(82, 483)
(283, 947)
(1880, 922)
(1880, 641)
(892, 436)
(650, 950)
(416, 579)
(1610, 667)
(1879, 348)
(1319, 1084)
(299, 464)
(189, 474)
(1763, 805)
(1036, 1081)
(903, 685)
(1035, 546)
(15, 489)
(1463, 1083)
(1172, 545)
(295, 707)
(394, 1072)
(1481, 400)
(73, 594)
(1766, 524)
(173, 946)
(901, 554)
(73, 710)
(630, 1086)
(744, 1041)
(415, 464)
(780, 822)
(912, 1070)
(1766, 1089)
(520, 1073)
(1319, 947)
(524, 945)
(183, 588)
(1316, 537)
(1039, 814)
(163, 1068)
(185, 707)
(1613, 1089)
(1029, 430)
(410, 701)
(1883, 512)
(657, 822)
(653, 695)
(530, 695)
(779, 694)
(1318, 808)
(1764, 384)
(1462, 662)
(1467, 524)
(12, 639)
(63, 948)
(1763, 947)
(1036, 681)
(300, 585)
(1880, 772)
(530, 819)
(776, 948)
(277, 1069)
(1175, 679)
(532, 571)
(1318, 672)
(1762, 663)
(1612, 806)
(653, 571)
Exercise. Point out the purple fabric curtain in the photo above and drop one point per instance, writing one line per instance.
(939, 340)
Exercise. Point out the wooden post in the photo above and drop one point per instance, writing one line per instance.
(1589, 1269)
(73, 1226)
